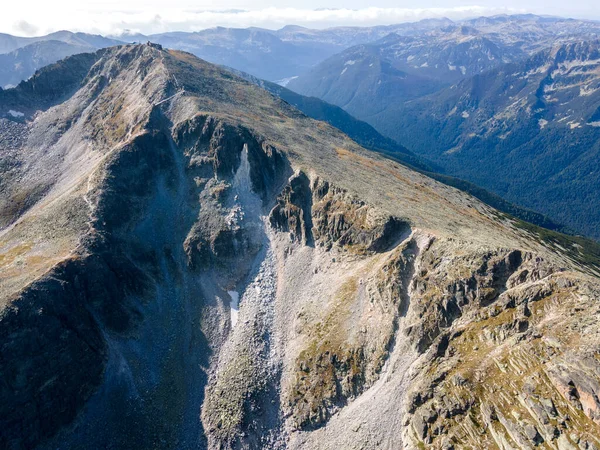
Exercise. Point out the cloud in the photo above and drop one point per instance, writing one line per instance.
(162, 19)
(26, 28)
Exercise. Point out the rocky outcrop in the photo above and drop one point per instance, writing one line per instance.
(344, 220)
(215, 150)
(496, 375)
(345, 351)
(293, 211)
(318, 213)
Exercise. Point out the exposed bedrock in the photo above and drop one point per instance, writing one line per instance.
(116, 341)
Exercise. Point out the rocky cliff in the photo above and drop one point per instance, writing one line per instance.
(189, 262)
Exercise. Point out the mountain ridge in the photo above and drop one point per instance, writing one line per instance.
(355, 278)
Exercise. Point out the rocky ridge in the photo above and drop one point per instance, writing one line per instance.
(199, 265)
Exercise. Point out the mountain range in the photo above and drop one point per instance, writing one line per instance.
(190, 262)
(534, 124)
(486, 106)
(291, 51)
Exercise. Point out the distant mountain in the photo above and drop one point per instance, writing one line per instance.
(20, 57)
(10, 43)
(529, 131)
(20, 64)
(363, 82)
(256, 51)
(370, 78)
(531, 32)
(293, 50)
(358, 79)
(277, 54)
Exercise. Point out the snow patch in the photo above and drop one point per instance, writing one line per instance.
(463, 69)
(542, 123)
(451, 67)
(16, 114)
(410, 58)
(350, 62)
(574, 125)
(344, 71)
(285, 81)
(425, 64)
(235, 306)
(594, 124)
(465, 114)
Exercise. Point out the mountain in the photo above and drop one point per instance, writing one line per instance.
(190, 262)
(20, 64)
(10, 43)
(21, 57)
(528, 131)
(292, 51)
(361, 132)
(362, 82)
(533, 33)
(377, 76)
(276, 54)
(369, 79)
(254, 50)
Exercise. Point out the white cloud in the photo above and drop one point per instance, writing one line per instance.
(155, 19)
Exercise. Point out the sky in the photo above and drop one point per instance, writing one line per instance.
(114, 17)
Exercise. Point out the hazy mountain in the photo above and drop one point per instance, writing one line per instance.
(530, 131)
(256, 51)
(189, 262)
(276, 54)
(532, 33)
(21, 57)
(363, 82)
(370, 78)
(293, 50)
(20, 64)
(10, 43)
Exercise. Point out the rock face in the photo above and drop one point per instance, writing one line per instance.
(188, 262)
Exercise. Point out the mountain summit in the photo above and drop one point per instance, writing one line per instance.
(188, 262)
